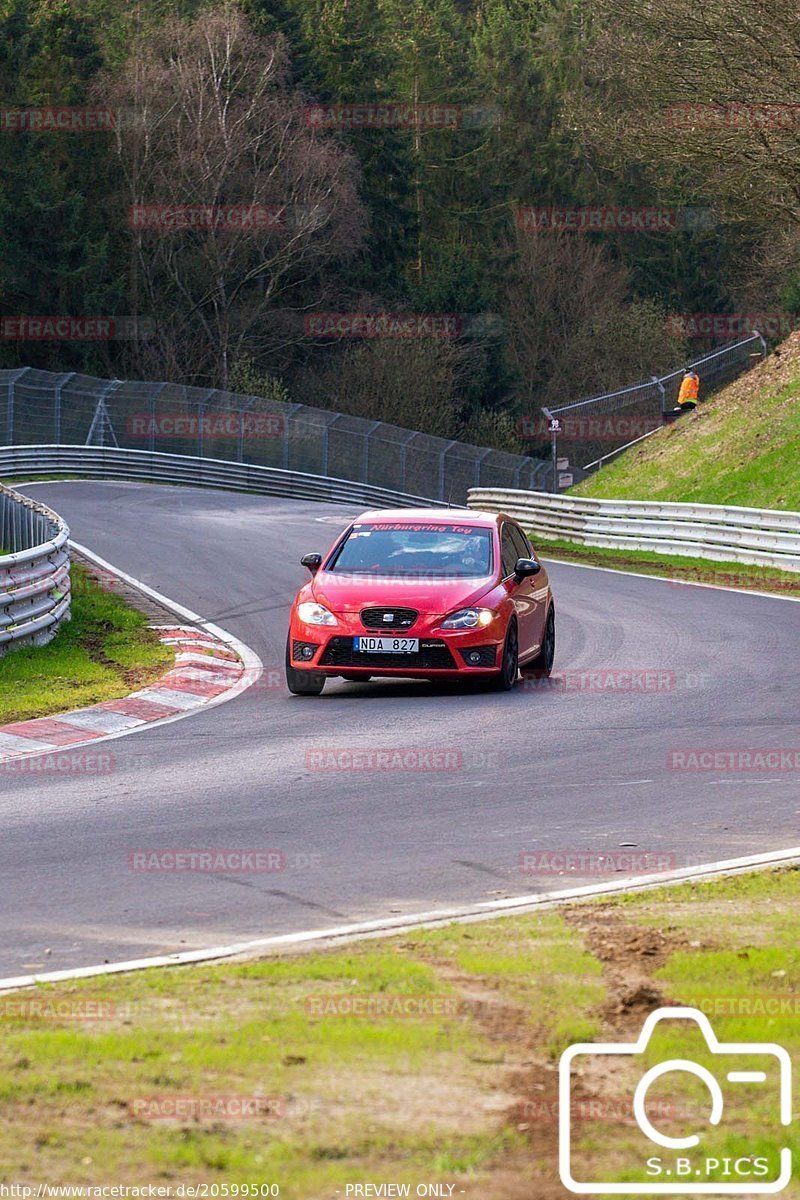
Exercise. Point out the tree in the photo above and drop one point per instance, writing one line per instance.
(214, 123)
(708, 93)
(55, 245)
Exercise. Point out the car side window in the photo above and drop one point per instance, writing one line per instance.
(508, 551)
(521, 542)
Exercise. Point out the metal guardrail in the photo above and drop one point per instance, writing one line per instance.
(103, 462)
(34, 571)
(762, 536)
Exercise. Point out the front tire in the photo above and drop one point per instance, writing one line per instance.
(541, 666)
(506, 678)
(302, 683)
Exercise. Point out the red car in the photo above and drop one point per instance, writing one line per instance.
(426, 593)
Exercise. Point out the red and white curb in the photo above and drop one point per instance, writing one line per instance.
(211, 667)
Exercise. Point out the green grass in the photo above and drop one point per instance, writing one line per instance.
(105, 651)
(361, 1096)
(741, 447)
(690, 570)
(365, 1098)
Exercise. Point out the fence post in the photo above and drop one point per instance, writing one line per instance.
(442, 455)
(662, 391)
(10, 404)
(285, 447)
(240, 438)
(151, 432)
(367, 438)
(62, 379)
(555, 429)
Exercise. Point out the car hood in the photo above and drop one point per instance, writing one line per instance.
(350, 593)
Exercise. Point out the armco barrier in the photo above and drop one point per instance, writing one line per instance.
(34, 571)
(103, 462)
(761, 536)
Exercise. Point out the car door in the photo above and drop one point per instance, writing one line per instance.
(536, 591)
(512, 547)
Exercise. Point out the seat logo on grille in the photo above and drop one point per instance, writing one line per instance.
(388, 617)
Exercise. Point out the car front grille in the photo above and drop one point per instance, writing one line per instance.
(399, 618)
(432, 656)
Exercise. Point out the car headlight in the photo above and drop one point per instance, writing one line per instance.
(314, 614)
(468, 618)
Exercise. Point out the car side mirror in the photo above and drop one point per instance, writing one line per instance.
(312, 561)
(526, 567)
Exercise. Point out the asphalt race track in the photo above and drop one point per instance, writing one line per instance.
(559, 769)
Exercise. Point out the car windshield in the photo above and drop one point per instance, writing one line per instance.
(414, 549)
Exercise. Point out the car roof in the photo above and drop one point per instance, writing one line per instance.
(444, 516)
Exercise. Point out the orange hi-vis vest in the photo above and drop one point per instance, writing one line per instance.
(689, 389)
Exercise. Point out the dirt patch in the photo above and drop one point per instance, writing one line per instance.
(630, 955)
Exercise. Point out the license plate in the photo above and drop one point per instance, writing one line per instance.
(386, 645)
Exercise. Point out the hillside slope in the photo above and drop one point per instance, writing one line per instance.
(740, 447)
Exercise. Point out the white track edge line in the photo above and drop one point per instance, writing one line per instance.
(254, 668)
(387, 926)
(714, 587)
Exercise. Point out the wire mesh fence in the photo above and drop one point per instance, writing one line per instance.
(595, 428)
(44, 408)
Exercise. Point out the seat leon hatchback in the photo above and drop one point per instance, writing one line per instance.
(423, 593)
